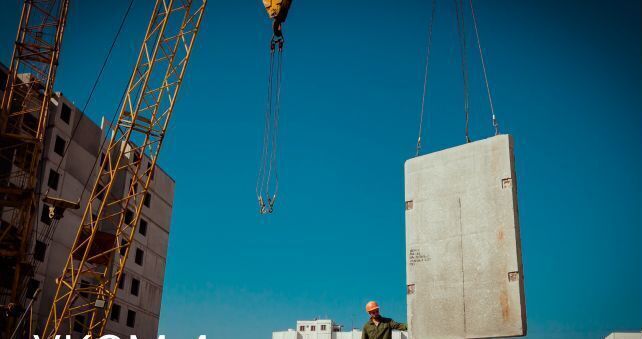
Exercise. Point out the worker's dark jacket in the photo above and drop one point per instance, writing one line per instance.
(383, 330)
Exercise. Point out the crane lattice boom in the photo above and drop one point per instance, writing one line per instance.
(102, 243)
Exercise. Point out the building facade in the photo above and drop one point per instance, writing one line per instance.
(324, 329)
(136, 309)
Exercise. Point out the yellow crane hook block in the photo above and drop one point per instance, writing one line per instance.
(277, 10)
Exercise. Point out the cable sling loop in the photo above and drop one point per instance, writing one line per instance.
(483, 62)
(461, 30)
(423, 96)
(268, 178)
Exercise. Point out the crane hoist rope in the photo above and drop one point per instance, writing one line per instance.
(461, 32)
(483, 63)
(267, 182)
(423, 96)
(460, 12)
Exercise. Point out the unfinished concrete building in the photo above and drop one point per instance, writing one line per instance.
(136, 309)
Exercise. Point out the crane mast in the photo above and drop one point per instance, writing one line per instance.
(23, 119)
(89, 282)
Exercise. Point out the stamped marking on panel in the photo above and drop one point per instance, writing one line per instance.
(416, 257)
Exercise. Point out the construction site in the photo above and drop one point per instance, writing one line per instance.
(437, 162)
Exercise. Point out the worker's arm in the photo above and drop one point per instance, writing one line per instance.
(398, 326)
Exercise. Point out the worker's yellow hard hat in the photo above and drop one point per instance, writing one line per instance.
(371, 306)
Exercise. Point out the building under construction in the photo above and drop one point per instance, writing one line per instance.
(137, 307)
(86, 211)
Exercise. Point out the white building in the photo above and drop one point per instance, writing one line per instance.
(324, 329)
(621, 335)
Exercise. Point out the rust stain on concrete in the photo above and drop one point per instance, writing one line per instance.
(503, 300)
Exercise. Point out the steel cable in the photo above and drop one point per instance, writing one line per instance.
(461, 31)
(260, 180)
(268, 169)
(275, 132)
(423, 96)
(483, 62)
(96, 81)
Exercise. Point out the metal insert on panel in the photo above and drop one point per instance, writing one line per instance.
(507, 182)
(411, 289)
(409, 205)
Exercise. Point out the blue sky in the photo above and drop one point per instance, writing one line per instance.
(566, 79)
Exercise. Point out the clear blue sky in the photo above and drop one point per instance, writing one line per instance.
(567, 83)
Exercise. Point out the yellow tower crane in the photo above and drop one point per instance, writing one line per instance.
(88, 284)
(23, 118)
(101, 247)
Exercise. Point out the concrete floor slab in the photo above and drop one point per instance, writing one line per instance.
(463, 251)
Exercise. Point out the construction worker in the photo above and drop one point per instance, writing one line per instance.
(378, 327)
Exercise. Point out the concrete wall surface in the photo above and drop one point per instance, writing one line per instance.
(463, 253)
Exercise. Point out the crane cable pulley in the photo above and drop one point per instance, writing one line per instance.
(267, 183)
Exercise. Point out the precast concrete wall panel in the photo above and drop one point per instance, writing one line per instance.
(463, 252)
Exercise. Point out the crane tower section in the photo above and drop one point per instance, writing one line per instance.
(23, 119)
